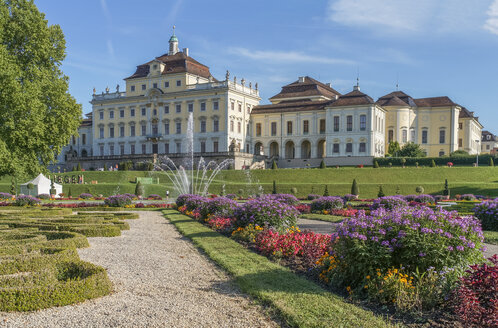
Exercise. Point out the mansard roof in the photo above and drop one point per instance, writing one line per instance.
(291, 106)
(396, 98)
(355, 97)
(307, 88)
(435, 102)
(177, 63)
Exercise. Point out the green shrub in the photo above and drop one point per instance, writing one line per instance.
(355, 190)
(446, 190)
(293, 191)
(274, 190)
(491, 162)
(381, 192)
(26, 200)
(376, 164)
(419, 189)
(274, 165)
(323, 165)
(139, 189)
(326, 191)
(433, 163)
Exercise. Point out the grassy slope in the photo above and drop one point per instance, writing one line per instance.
(482, 180)
(491, 237)
(299, 301)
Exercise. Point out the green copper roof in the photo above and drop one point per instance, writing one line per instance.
(173, 38)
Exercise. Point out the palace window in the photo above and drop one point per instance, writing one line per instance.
(101, 149)
(441, 153)
(121, 149)
(166, 128)
(132, 130)
(101, 115)
(336, 123)
(442, 136)
(203, 146)
(460, 143)
(178, 108)
(166, 109)
(111, 149)
(154, 85)
(144, 111)
(155, 129)
(111, 114)
(144, 129)
(101, 133)
(460, 126)
(143, 87)
(144, 148)
(215, 146)
(231, 126)
(166, 84)
(121, 131)
(203, 106)
(191, 107)
(203, 126)
(83, 138)
(363, 147)
(154, 112)
(404, 135)
(289, 127)
(363, 122)
(273, 128)
(178, 83)
(239, 127)
(258, 129)
(132, 149)
(132, 88)
(216, 105)
(111, 132)
(240, 108)
(335, 148)
(412, 135)
(349, 147)
(178, 127)
(132, 112)
(248, 109)
(322, 126)
(216, 125)
(121, 113)
(166, 148)
(349, 123)
(390, 136)
(178, 147)
(425, 134)
(306, 127)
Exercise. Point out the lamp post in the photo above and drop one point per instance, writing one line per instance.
(477, 159)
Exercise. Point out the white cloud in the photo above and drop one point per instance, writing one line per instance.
(492, 21)
(288, 57)
(409, 16)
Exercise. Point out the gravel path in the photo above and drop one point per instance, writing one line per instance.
(329, 227)
(160, 280)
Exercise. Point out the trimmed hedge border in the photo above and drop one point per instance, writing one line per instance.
(440, 161)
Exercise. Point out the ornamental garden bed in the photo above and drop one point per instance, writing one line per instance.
(401, 258)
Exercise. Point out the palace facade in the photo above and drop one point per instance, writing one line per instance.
(307, 122)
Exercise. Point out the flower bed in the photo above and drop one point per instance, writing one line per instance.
(487, 213)
(26, 200)
(389, 202)
(117, 201)
(326, 203)
(5, 196)
(85, 196)
(220, 207)
(267, 212)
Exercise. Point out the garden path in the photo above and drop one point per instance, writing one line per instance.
(160, 280)
(329, 227)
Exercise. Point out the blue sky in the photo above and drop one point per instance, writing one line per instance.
(433, 48)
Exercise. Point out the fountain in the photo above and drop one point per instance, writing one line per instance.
(187, 178)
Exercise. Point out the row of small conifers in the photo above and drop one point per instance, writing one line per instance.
(39, 264)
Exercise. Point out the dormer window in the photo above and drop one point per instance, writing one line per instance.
(155, 85)
(154, 67)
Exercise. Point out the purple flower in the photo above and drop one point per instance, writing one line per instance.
(460, 248)
(421, 254)
(385, 243)
(450, 248)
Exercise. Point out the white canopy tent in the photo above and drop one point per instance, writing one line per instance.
(41, 185)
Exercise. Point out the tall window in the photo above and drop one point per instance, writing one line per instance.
(101, 132)
(132, 88)
(336, 123)
(111, 132)
(166, 84)
(239, 127)
(424, 136)
(178, 108)
(203, 126)
(203, 106)
(240, 108)
(258, 129)
(322, 126)
(178, 147)
(111, 114)
(190, 107)
(363, 122)
(166, 148)
(231, 126)
(248, 109)
(144, 148)
(203, 146)
(412, 135)
(111, 149)
(178, 127)
(442, 136)
(83, 138)
(166, 109)
(144, 129)
(289, 127)
(306, 127)
(121, 149)
(143, 87)
(404, 135)
(335, 148)
(273, 128)
(155, 129)
(132, 130)
(121, 131)
(460, 143)
(232, 105)
(363, 147)
(390, 136)
(178, 83)
(132, 112)
(132, 149)
(349, 123)
(154, 85)
(460, 126)
(215, 146)
(216, 125)
(101, 150)
(349, 147)
(101, 115)
(166, 128)
(216, 105)
(121, 113)
(144, 111)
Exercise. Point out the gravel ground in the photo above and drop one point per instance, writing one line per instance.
(160, 280)
(329, 227)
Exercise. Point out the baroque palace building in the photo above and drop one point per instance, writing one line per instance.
(307, 122)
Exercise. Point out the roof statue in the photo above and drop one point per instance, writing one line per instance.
(227, 75)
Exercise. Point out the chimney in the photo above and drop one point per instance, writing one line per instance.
(185, 51)
(356, 88)
(301, 79)
(329, 84)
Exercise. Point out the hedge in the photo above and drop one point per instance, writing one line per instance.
(440, 161)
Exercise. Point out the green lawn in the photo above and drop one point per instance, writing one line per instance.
(481, 180)
(322, 217)
(300, 302)
(491, 237)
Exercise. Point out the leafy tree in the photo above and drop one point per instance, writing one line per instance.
(322, 164)
(376, 164)
(393, 148)
(274, 190)
(411, 149)
(326, 191)
(274, 165)
(78, 168)
(381, 192)
(38, 115)
(139, 189)
(355, 190)
(403, 162)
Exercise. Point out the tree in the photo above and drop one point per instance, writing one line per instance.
(13, 189)
(139, 189)
(376, 164)
(411, 149)
(38, 114)
(393, 148)
(53, 191)
(322, 164)
(326, 191)
(274, 165)
(78, 168)
(381, 192)
(105, 167)
(433, 163)
(491, 162)
(355, 190)
(446, 191)
(274, 190)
